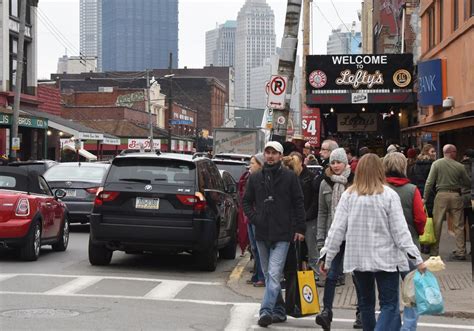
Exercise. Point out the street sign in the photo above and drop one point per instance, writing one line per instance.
(16, 144)
(181, 122)
(277, 92)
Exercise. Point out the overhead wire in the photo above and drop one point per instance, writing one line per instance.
(348, 30)
(328, 22)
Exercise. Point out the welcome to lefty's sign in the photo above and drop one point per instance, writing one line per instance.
(277, 92)
(364, 78)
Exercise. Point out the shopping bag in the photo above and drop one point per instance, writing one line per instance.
(408, 290)
(301, 295)
(428, 237)
(429, 300)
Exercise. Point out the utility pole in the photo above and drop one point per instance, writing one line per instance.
(170, 102)
(19, 75)
(306, 45)
(150, 116)
(286, 66)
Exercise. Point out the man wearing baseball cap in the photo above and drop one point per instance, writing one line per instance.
(274, 204)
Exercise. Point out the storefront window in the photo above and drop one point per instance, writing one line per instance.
(431, 28)
(455, 14)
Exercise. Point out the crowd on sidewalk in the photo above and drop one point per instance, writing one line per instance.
(360, 215)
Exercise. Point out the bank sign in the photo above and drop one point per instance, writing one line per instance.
(432, 82)
(359, 79)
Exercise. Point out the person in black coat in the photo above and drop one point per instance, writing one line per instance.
(420, 173)
(274, 203)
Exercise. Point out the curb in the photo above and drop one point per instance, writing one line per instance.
(238, 270)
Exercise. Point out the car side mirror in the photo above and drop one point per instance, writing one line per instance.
(59, 194)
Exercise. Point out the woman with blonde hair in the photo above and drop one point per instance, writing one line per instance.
(369, 217)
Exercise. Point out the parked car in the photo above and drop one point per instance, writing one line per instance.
(163, 202)
(30, 215)
(40, 166)
(230, 185)
(235, 168)
(80, 181)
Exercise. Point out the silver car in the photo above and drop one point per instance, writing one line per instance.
(81, 181)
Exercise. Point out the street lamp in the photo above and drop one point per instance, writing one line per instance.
(149, 83)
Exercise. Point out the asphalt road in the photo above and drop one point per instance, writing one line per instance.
(62, 291)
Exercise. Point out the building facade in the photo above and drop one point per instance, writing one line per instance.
(90, 30)
(220, 45)
(255, 42)
(446, 75)
(77, 64)
(139, 34)
(341, 41)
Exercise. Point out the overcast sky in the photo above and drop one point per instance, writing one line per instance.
(195, 18)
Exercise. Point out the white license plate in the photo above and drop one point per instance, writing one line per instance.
(70, 193)
(147, 203)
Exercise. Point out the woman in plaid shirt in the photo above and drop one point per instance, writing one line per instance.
(369, 217)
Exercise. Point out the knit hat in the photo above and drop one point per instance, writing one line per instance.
(339, 154)
(275, 145)
(392, 148)
(259, 158)
(411, 153)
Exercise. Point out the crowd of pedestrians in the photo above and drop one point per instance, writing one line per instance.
(361, 215)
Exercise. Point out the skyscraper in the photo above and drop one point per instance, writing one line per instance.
(90, 26)
(220, 45)
(139, 34)
(341, 41)
(255, 42)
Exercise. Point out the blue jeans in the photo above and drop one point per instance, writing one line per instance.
(410, 316)
(272, 259)
(388, 288)
(258, 272)
(334, 273)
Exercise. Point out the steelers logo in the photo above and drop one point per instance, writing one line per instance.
(308, 294)
(318, 79)
(402, 78)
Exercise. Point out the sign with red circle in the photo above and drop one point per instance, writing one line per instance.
(317, 79)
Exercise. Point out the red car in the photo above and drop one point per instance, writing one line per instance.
(30, 215)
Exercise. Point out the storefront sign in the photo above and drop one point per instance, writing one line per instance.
(359, 78)
(143, 143)
(110, 141)
(15, 144)
(432, 82)
(91, 136)
(356, 122)
(28, 122)
(311, 125)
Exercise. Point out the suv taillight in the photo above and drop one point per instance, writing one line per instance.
(105, 196)
(198, 201)
(23, 207)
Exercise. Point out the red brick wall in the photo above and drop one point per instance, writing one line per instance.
(108, 99)
(106, 113)
(51, 99)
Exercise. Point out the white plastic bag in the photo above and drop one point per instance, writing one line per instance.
(408, 290)
(434, 263)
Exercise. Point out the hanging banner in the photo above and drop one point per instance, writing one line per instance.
(350, 122)
(311, 125)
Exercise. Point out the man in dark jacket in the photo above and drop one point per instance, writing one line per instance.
(274, 203)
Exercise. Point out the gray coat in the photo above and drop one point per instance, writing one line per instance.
(325, 215)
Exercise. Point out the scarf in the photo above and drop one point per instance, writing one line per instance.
(338, 188)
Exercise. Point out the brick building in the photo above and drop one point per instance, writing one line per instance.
(447, 102)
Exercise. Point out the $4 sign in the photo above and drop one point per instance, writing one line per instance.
(309, 126)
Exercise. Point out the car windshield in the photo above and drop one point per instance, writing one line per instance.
(162, 171)
(77, 173)
(235, 169)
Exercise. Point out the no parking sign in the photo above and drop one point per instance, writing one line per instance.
(277, 91)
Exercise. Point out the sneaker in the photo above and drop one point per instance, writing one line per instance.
(341, 281)
(357, 323)
(264, 321)
(324, 319)
(454, 257)
(278, 319)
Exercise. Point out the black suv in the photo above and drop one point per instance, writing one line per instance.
(163, 202)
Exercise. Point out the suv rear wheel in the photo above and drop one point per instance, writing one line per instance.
(207, 260)
(228, 252)
(99, 254)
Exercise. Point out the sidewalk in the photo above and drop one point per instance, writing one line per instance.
(455, 281)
